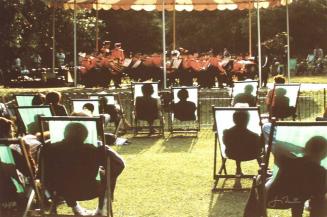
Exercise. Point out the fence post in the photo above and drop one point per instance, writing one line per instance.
(324, 98)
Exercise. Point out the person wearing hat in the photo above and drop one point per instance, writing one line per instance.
(117, 54)
(105, 47)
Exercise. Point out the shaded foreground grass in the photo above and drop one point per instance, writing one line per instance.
(172, 177)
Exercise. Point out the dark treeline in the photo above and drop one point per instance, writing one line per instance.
(26, 29)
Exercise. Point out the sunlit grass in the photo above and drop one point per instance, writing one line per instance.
(317, 79)
(172, 177)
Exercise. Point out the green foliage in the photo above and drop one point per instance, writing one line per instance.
(26, 28)
(139, 31)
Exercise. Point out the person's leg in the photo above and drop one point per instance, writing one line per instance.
(76, 208)
(117, 166)
(318, 206)
(151, 129)
(297, 211)
(238, 168)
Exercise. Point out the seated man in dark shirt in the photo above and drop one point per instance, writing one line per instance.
(147, 107)
(299, 178)
(72, 166)
(281, 104)
(184, 110)
(241, 143)
(246, 97)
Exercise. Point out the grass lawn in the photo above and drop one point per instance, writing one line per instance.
(315, 79)
(172, 177)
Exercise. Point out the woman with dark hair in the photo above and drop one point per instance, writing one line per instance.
(38, 99)
(53, 98)
(147, 107)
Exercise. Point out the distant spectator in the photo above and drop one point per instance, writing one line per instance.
(38, 99)
(246, 97)
(147, 107)
(61, 58)
(36, 61)
(53, 98)
(278, 79)
(184, 110)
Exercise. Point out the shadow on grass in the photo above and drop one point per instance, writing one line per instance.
(138, 145)
(179, 144)
(227, 203)
(310, 106)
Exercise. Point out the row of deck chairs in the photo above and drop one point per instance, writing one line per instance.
(223, 121)
(289, 132)
(38, 191)
(245, 92)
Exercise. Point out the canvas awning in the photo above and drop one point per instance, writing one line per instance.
(170, 5)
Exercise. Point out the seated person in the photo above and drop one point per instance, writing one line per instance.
(8, 172)
(278, 79)
(11, 200)
(71, 167)
(280, 107)
(38, 99)
(115, 112)
(4, 111)
(246, 97)
(53, 98)
(146, 107)
(241, 143)
(299, 178)
(7, 131)
(88, 108)
(184, 110)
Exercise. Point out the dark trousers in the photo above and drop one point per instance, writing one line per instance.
(97, 189)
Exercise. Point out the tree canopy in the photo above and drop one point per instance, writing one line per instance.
(26, 28)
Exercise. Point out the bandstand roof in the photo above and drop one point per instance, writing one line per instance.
(151, 5)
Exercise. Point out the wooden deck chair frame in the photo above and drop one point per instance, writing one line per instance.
(263, 173)
(197, 122)
(136, 127)
(116, 96)
(22, 126)
(35, 191)
(297, 97)
(244, 83)
(72, 108)
(221, 173)
(100, 131)
(18, 101)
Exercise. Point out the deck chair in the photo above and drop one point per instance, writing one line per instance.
(24, 99)
(294, 136)
(77, 105)
(245, 92)
(113, 101)
(24, 196)
(285, 98)
(231, 149)
(180, 120)
(28, 118)
(95, 136)
(139, 123)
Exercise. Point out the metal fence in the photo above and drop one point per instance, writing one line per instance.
(310, 105)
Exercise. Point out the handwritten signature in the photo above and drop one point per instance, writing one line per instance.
(277, 202)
